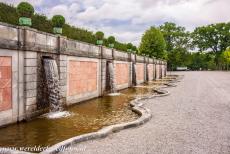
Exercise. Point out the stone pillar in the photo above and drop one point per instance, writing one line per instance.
(30, 76)
(165, 69)
(146, 69)
(62, 67)
(130, 69)
(63, 77)
(102, 74)
(160, 69)
(154, 69)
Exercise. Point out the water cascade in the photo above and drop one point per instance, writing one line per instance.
(147, 73)
(134, 80)
(111, 78)
(52, 80)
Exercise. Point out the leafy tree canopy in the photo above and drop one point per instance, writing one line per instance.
(153, 43)
(214, 37)
(175, 36)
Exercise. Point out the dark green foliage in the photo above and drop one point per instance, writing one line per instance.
(153, 43)
(41, 23)
(111, 39)
(58, 21)
(8, 14)
(214, 37)
(129, 46)
(120, 46)
(79, 34)
(99, 35)
(134, 48)
(175, 36)
(25, 9)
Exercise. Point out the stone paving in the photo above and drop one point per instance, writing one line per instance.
(195, 118)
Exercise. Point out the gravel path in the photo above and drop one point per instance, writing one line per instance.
(195, 118)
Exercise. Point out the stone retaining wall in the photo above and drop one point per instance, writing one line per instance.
(82, 70)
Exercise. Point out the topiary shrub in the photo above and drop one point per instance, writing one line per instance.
(25, 11)
(58, 21)
(99, 36)
(129, 47)
(134, 48)
(111, 41)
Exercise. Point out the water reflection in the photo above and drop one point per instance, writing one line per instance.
(88, 116)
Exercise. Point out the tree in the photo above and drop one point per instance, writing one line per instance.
(214, 37)
(226, 57)
(153, 43)
(175, 36)
(177, 43)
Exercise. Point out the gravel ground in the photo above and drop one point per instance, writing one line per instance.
(195, 118)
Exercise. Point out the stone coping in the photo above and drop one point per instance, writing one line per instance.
(137, 107)
(29, 39)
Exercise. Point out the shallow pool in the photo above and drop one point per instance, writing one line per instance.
(88, 116)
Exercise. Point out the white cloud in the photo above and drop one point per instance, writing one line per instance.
(15, 2)
(131, 17)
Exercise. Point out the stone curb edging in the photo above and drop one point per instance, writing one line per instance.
(137, 107)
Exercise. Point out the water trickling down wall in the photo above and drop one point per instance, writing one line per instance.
(52, 82)
(111, 77)
(79, 69)
(134, 77)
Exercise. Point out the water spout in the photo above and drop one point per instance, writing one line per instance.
(147, 73)
(134, 80)
(111, 78)
(52, 81)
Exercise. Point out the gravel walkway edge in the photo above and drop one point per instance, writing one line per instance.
(137, 107)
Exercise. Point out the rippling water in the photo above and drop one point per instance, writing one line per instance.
(88, 116)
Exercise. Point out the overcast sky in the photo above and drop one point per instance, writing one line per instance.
(128, 19)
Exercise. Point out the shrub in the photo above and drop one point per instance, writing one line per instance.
(58, 21)
(99, 35)
(25, 9)
(129, 46)
(111, 40)
(134, 48)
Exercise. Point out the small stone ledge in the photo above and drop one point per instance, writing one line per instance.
(170, 84)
